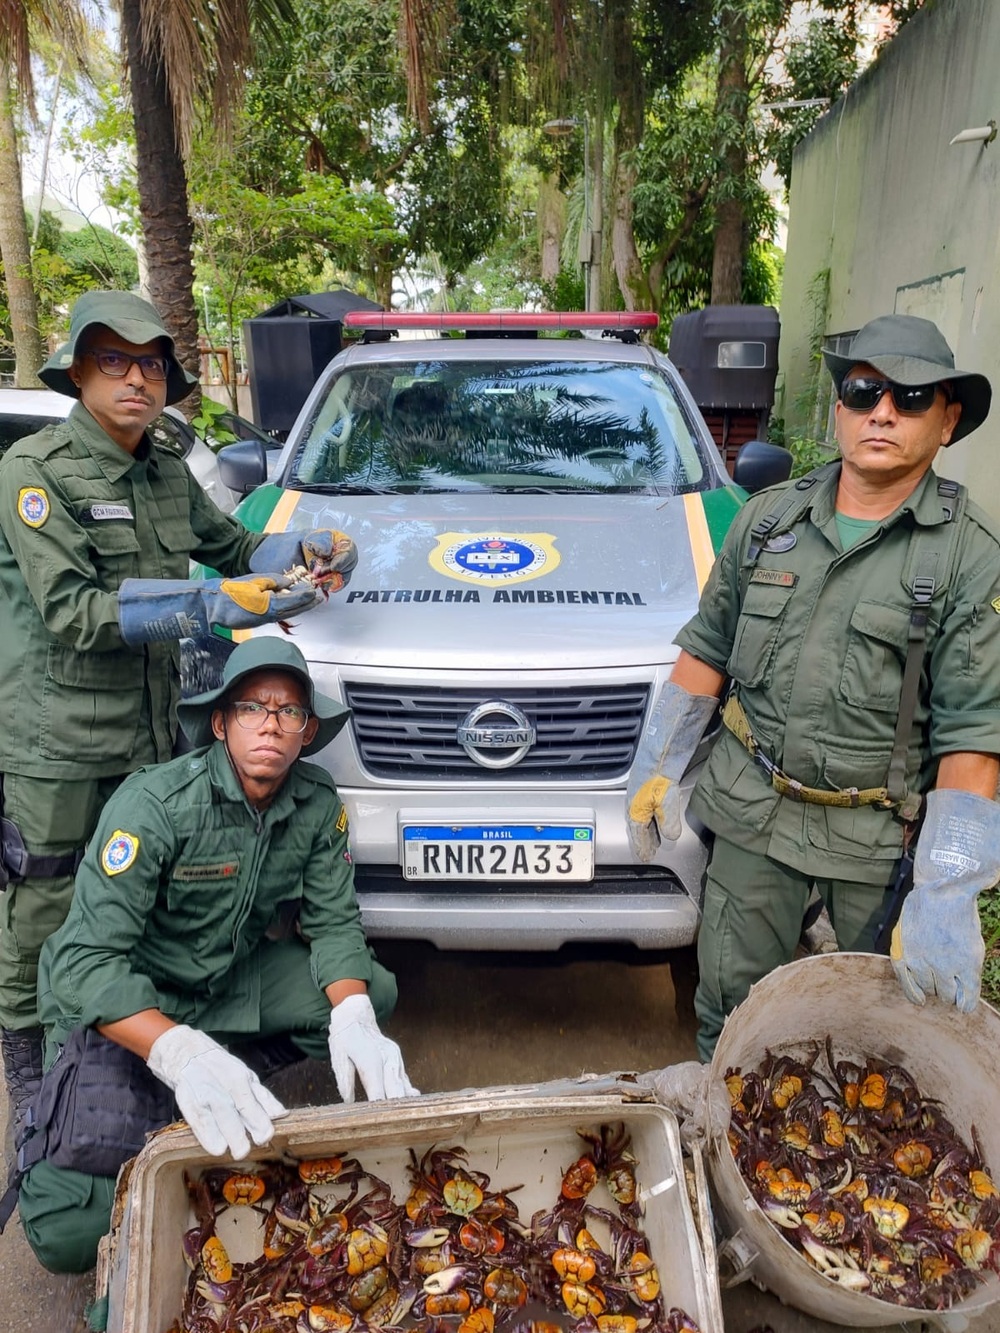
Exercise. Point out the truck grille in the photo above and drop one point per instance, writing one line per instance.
(410, 732)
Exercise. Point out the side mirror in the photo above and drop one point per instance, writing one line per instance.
(759, 464)
(243, 466)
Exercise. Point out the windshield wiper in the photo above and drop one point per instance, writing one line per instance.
(532, 490)
(338, 488)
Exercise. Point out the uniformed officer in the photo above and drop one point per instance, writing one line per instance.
(97, 529)
(181, 927)
(856, 613)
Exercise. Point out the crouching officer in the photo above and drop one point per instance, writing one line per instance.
(98, 526)
(169, 963)
(856, 612)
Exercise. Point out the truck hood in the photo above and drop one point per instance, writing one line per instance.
(532, 582)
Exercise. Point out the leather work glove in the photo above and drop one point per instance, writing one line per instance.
(329, 556)
(151, 610)
(222, 1100)
(937, 946)
(358, 1047)
(653, 804)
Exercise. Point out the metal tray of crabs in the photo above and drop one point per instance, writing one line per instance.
(442, 1215)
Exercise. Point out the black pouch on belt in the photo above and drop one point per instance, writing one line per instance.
(95, 1107)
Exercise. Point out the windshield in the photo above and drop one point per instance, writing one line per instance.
(490, 426)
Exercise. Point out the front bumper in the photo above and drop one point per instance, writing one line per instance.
(530, 922)
(651, 907)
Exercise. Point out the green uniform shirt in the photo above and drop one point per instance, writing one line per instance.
(816, 645)
(179, 885)
(78, 514)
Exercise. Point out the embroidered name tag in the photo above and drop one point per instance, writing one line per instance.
(98, 512)
(781, 577)
(218, 870)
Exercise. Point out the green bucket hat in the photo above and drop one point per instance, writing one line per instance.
(266, 653)
(131, 318)
(910, 350)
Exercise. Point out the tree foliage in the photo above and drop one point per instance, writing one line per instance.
(340, 142)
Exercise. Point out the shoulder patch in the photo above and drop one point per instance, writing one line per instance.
(996, 605)
(120, 851)
(342, 820)
(33, 506)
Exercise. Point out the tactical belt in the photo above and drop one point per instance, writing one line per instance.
(735, 719)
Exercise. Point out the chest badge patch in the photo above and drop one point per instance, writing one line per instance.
(783, 541)
(120, 851)
(33, 506)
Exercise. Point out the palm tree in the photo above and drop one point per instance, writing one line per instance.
(63, 20)
(183, 56)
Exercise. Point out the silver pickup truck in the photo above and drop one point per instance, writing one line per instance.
(535, 517)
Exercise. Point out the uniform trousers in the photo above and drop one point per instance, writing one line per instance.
(55, 817)
(65, 1213)
(751, 923)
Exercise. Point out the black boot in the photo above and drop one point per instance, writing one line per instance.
(22, 1067)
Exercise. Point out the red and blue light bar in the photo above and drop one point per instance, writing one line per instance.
(388, 320)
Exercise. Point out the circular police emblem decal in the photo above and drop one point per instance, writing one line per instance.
(495, 558)
(120, 851)
(32, 506)
(784, 541)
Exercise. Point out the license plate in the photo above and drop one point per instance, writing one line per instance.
(503, 852)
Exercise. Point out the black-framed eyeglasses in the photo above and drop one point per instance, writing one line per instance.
(291, 718)
(117, 364)
(862, 394)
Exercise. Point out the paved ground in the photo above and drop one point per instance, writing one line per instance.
(474, 1020)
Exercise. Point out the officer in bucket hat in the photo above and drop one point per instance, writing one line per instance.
(98, 526)
(214, 931)
(855, 613)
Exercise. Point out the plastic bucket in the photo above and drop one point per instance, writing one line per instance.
(856, 1001)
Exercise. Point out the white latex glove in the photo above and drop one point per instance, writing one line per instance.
(222, 1100)
(358, 1047)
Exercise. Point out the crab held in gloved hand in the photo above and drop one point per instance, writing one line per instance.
(324, 556)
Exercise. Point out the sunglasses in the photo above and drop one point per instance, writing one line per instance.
(862, 394)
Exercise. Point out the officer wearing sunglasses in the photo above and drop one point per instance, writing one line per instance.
(98, 526)
(851, 624)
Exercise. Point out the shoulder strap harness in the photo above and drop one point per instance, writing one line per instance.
(928, 570)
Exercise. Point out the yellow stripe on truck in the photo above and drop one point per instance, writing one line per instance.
(278, 522)
(702, 551)
(283, 511)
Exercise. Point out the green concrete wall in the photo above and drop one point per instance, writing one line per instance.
(902, 222)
